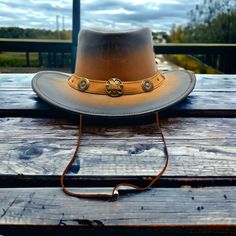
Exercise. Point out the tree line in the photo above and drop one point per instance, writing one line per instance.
(28, 33)
(213, 21)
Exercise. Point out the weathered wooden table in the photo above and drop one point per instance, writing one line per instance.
(197, 193)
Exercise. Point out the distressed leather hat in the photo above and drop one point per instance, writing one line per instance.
(115, 75)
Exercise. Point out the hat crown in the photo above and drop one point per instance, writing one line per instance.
(125, 55)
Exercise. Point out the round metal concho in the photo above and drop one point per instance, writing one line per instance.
(83, 84)
(147, 85)
(114, 87)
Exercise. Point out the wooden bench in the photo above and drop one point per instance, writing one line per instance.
(197, 193)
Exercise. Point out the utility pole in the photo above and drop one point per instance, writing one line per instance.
(57, 26)
(63, 23)
(63, 28)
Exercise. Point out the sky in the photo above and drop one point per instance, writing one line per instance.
(159, 15)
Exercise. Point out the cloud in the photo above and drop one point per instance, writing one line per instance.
(158, 15)
(37, 13)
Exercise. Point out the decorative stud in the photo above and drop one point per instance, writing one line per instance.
(147, 85)
(83, 84)
(114, 87)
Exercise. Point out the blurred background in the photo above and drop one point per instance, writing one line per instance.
(198, 35)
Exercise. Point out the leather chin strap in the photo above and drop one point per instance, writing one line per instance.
(114, 195)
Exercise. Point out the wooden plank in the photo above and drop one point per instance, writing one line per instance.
(155, 208)
(212, 83)
(213, 96)
(205, 82)
(198, 147)
(34, 45)
(18, 102)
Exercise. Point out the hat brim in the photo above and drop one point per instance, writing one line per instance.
(53, 88)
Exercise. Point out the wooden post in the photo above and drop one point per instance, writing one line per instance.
(49, 59)
(40, 59)
(54, 56)
(75, 31)
(62, 59)
(27, 59)
(209, 59)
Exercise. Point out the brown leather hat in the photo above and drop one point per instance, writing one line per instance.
(115, 75)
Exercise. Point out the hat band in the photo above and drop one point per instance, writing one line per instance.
(114, 87)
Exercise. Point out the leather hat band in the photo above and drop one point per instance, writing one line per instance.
(114, 87)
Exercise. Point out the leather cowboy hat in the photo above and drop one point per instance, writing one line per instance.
(115, 75)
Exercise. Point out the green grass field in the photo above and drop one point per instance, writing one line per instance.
(191, 63)
(13, 59)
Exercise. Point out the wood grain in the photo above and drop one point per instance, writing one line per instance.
(38, 149)
(198, 147)
(207, 82)
(213, 95)
(209, 102)
(157, 207)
